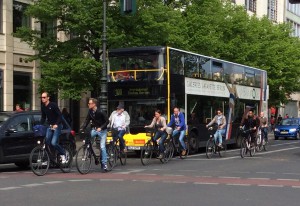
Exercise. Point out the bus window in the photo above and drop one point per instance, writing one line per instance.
(217, 71)
(249, 77)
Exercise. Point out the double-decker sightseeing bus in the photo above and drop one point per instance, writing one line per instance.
(148, 78)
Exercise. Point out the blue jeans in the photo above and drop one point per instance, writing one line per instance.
(218, 135)
(119, 135)
(102, 137)
(264, 132)
(181, 137)
(162, 135)
(52, 137)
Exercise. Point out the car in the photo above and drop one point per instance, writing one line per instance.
(288, 127)
(17, 136)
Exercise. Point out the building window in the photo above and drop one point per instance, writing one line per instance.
(250, 5)
(1, 16)
(294, 8)
(23, 89)
(48, 29)
(272, 10)
(19, 17)
(296, 28)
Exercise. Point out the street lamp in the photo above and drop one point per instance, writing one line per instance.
(103, 79)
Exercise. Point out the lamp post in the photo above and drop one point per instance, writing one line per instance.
(103, 80)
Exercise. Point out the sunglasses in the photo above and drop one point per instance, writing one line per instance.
(43, 97)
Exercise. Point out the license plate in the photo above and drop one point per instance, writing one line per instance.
(284, 132)
(133, 148)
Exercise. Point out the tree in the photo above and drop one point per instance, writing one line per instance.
(79, 55)
(223, 30)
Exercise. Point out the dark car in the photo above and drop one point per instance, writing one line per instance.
(287, 128)
(17, 137)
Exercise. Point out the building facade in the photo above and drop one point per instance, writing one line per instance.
(16, 72)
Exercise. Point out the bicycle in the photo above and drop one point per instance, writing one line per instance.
(121, 155)
(44, 155)
(246, 144)
(86, 153)
(151, 148)
(177, 145)
(212, 146)
(261, 143)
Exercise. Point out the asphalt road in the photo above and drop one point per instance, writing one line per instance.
(269, 178)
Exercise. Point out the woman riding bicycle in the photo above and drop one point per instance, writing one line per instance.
(159, 123)
(251, 122)
(220, 120)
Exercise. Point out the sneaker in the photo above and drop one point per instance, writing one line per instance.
(161, 156)
(220, 145)
(104, 168)
(183, 152)
(63, 159)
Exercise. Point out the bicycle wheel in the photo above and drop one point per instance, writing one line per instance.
(111, 156)
(146, 153)
(39, 161)
(66, 167)
(210, 148)
(243, 148)
(168, 153)
(259, 144)
(122, 156)
(252, 150)
(222, 150)
(83, 159)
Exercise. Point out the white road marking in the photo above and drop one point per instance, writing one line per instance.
(296, 187)
(131, 171)
(3, 177)
(80, 180)
(270, 185)
(204, 176)
(229, 177)
(53, 182)
(9, 188)
(206, 183)
(33, 185)
(295, 180)
(113, 180)
(258, 178)
(179, 182)
(238, 184)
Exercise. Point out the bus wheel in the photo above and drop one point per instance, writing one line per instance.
(193, 142)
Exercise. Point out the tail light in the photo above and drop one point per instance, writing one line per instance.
(73, 133)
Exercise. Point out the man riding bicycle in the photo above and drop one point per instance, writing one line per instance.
(220, 120)
(99, 128)
(51, 111)
(177, 119)
(119, 122)
(159, 123)
(251, 122)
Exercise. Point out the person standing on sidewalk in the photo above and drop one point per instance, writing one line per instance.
(264, 126)
(99, 128)
(51, 111)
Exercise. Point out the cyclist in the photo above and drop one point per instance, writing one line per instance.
(119, 123)
(177, 119)
(251, 122)
(159, 123)
(264, 126)
(51, 111)
(99, 128)
(220, 120)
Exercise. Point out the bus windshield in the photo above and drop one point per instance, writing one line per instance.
(139, 66)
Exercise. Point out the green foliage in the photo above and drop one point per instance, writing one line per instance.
(211, 27)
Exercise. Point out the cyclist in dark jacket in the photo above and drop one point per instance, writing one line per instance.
(99, 127)
(251, 122)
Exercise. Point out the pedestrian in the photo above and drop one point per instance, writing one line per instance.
(286, 116)
(99, 122)
(18, 108)
(119, 121)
